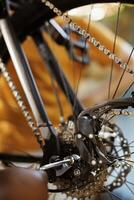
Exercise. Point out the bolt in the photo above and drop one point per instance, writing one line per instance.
(79, 136)
(93, 162)
(77, 172)
(90, 136)
(100, 161)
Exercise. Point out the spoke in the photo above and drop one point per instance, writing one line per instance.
(112, 63)
(89, 18)
(129, 188)
(130, 182)
(131, 142)
(121, 158)
(128, 145)
(131, 161)
(123, 155)
(76, 89)
(109, 193)
(112, 194)
(129, 164)
(118, 85)
(120, 146)
(60, 107)
(74, 71)
(116, 196)
(115, 145)
(125, 180)
(128, 88)
(114, 45)
(80, 73)
(107, 120)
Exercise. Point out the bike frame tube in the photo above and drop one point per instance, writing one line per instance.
(57, 72)
(29, 86)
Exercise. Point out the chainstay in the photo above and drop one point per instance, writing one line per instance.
(118, 61)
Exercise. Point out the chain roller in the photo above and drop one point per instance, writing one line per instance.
(21, 103)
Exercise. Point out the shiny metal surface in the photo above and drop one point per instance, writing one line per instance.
(24, 73)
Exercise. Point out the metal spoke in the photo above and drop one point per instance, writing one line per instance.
(111, 193)
(114, 45)
(122, 75)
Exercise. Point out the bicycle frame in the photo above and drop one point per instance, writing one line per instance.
(93, 158)
(29, 86)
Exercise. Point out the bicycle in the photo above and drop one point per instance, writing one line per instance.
(80, 162)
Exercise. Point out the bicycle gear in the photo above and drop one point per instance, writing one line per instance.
(86, 182)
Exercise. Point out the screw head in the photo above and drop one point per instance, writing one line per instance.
(77, 172)
(90, 136)
(79, 136)
(93, 162)
(100, 161)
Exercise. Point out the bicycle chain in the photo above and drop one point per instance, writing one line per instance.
(89, 188)
(28, 116)
(89, 38)
(21, 103)
(93, 40)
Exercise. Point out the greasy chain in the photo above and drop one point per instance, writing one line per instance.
(92, 40)
(21, 103)
(88, 37)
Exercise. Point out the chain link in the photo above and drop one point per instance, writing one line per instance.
(92, 40)
(89, 38)
(21, 103)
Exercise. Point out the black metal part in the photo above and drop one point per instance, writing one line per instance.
(17, 4)
(99, 110)
(87, 140)
(86, 125)
(51, 146)
(83, 150)
(78, 50)
(74, 48)
(53, 66)
(30, 88)
(132, 94)
(3, 9)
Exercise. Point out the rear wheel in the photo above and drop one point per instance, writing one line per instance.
(109, 153)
